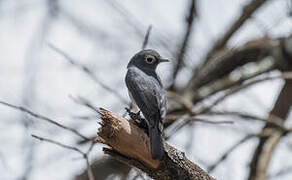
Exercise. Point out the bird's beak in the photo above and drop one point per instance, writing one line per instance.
(163, 60)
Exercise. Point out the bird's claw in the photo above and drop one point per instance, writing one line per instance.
(138, 120)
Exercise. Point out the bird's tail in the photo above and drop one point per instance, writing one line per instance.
(156, 143)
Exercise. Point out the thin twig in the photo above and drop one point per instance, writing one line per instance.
(284, 75)
(261, 157)
(247, 117)
(187, 104)
(137, 25)
(84, 155)
(23, 109)
(194, 119)
(89, 169)
(186, 120)
(227, 60)
(229, 84)
(247, 12)
(85, 102)
(181, 53)
(87, 71)
(229, 151)
(204, 110)
(58, 143)
(235, 113)
(146, 39)
(90, 147)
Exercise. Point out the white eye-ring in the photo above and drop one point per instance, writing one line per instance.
(150, 59)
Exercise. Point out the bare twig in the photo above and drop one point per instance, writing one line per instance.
(23, 109)
(285, 75)
(266, 154)
(234, 113)
(229, 151)
(146, 38)
(181, 53)
(85, 102)
(89, 72)
(246, 13)
(90, 147)
(58, 143)
(194, 119)
(84, 155)
(204, 110)
(227, 60)
(137, 25)
(89, 169)
(187, 120)
(247, 117)
(30, 80)
(227, 83)
(186, 103)
(263, 152)
(171, 118)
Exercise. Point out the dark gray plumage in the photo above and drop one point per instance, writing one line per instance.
(147, 91)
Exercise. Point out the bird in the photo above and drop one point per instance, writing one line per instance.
(147, 92)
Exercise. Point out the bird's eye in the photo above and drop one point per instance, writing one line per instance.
(150, 59)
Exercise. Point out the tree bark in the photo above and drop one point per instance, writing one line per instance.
(266, 146)
(130, 144)
(263, 152)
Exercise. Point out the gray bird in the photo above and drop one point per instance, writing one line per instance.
(147, 92)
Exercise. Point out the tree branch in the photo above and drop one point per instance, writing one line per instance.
(146, 38)
(227, 60)
(84, 155)
(181, 53)
(130, 144)
(89, 72)
(229, 151)
(266, 146)
(23, 109)
(206, 109)
(246, 13)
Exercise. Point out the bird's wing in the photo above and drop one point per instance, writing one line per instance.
(148, 95)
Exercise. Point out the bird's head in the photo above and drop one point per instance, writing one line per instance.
(146, 59)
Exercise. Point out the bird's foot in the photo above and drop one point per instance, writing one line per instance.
(138, 120)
